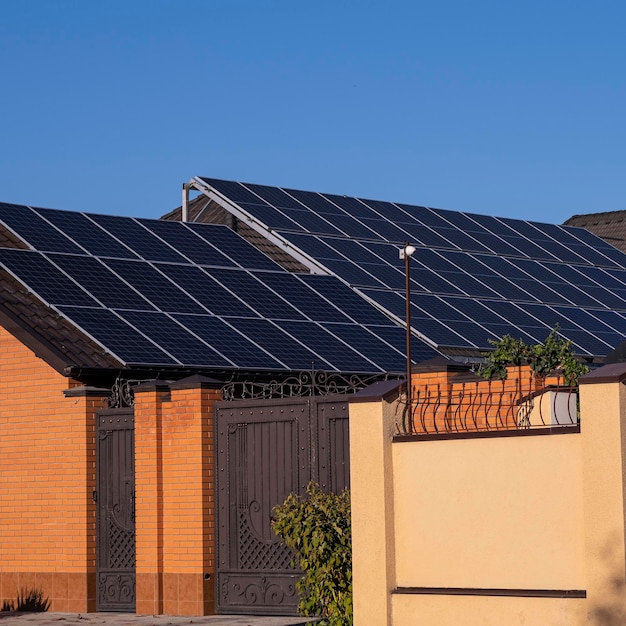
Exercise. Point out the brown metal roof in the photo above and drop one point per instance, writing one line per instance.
(610, 226)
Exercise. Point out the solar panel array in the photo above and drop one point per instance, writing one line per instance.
(473, 277)
(160, 293)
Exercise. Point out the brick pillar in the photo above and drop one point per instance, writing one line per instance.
(150, 398)
(189, 498)
(81, 587)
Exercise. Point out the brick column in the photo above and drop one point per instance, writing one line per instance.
(189, 498)
(81, 587)
(150, 398)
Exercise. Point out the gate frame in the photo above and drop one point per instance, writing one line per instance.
(314, 462)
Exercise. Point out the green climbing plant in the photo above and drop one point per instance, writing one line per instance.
(554, 354)
(318, 529)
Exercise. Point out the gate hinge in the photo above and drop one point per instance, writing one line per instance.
(94, 496)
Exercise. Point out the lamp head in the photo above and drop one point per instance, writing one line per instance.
(407, 251)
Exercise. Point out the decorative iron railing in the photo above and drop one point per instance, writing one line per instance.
(478, 406)
(312, 383)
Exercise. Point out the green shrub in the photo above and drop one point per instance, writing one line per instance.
(317, 528)
(554, 354)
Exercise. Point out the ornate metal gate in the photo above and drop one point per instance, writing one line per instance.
(266, 450)
(115, 499)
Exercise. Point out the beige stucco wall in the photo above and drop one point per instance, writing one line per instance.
(455, 531)
(502, 512)
(373, 548)
(604, 458)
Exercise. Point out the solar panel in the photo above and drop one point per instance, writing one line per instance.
(236, 248)
(213, 296)
(288, 350)
(275, 196)
(303, 297)
(139, 239)
(124, 341)
(508, 265)
(387, 230)
(328, 346)
(384, 354)
(178, 341)
(240, 349)
(395, 337)
(34, 230)
(353, 207)
(87, 234)
(255, 294)
(186, 241)
(311, 222)
(196, 295)
(270, 216)
(346, 299)
(154, 286)
(100, 282)
(41, 276)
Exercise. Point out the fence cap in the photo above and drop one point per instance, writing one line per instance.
(197, 381)
(440, 364)
(382, 390)
(612, 373)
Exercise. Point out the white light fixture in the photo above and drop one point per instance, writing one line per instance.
(407, 251)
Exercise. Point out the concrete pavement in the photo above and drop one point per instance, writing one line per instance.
(130, 619)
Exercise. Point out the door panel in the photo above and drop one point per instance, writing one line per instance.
(265, 451)
(115, 496)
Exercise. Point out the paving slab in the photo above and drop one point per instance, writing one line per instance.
(130, 619)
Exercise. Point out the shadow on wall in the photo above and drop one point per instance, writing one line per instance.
(610, 610)
(28, 601)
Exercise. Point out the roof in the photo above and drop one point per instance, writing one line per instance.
(278, 280)
(474, 278)
(610, 226)
(109, 292)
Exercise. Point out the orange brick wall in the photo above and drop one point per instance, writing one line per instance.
(446, 399)
(47, 475)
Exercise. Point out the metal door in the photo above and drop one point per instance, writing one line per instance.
(265, 451)
(115, 500)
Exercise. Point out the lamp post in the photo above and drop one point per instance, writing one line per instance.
(406, 253)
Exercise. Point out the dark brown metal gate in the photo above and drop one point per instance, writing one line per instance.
(266, 450)
(115, 499)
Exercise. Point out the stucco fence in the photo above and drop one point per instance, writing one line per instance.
(512, 527)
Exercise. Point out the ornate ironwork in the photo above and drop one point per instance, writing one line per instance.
(116, 591)
(512, 404)
(122, 395)
(274, 596)
(304, 384)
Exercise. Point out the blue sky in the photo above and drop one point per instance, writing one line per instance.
(505, 108)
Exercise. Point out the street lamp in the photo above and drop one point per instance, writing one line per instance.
(406, 253)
